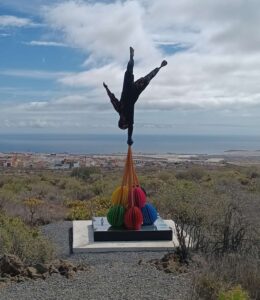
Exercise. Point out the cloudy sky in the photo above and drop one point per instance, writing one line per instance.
(54, 56)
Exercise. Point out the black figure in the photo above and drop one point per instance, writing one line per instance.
(130, 93)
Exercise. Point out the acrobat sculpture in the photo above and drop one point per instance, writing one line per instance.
(130, 93)
(129, 208)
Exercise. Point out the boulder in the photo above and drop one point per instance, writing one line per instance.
(11, 265)
(13, 269)
(32, 273)
(67, 269)
(42, 268)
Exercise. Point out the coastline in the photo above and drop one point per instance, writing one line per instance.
(115, 144)
(59, 161)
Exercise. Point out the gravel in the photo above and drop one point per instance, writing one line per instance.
(118, 275)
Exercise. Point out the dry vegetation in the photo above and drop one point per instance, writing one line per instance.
(218, 207)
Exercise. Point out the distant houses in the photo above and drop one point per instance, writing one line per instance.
(65, 161)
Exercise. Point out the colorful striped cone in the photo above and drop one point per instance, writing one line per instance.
(115, 215)
(149, 214)
(120, 196)
(139, 197)
(133, 218)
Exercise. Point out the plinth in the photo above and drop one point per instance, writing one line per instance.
(104, 232)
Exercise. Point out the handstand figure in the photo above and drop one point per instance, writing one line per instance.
(130, 93)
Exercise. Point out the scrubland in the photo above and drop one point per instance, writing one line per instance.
(218, 207)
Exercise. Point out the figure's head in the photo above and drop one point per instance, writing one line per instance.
(122, 123)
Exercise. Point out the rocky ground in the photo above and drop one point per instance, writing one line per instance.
(126, 275)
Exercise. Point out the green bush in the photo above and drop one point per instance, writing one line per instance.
(32, 205)
(85, 210)
(236, 293)
(84, 172)
(195, 173)
(207, 287)
(225, 277)
(27, 243)
(77, 210)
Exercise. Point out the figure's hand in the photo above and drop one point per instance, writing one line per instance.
(105, 86)
(130, 141)
(164, 63)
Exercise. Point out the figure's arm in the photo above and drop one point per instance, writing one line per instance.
(113, 99)
(151, 75)
(142, 82)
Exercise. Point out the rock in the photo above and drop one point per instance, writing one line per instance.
(165, 264)
(167, 271)
(67, 269)
(11, 264)
(53, 269)
(81, 267)
(171, 263)
(70, 274)
(4, 280)
(42, 268)
(56, 263)
(13, 269)
(20, 279)
(31, 272)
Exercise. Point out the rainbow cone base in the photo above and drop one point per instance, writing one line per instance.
(104, 232)
(130, 210)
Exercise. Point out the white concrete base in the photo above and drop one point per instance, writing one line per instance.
(83, 241)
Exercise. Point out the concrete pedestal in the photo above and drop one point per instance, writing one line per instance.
(83, 241)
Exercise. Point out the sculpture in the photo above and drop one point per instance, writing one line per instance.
(130, 94)
(129, 207)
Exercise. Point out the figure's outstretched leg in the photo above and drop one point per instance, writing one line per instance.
(151, 75)
(129, 76)
(130, 133)
(142, 82)
(125, 100)
(113, 99)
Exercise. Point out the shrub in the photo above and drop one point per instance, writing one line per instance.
(5, 197)
(227, 232)
(194, 173)
(235, 293)
(76, 189)
(84, 172)
(185, 204)
(206, 287)
(32, 205)
(27, 243)
(84, 210)
(77, 210)
(221, 276)
(100, 205)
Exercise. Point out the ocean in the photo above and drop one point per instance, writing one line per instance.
(108, 144)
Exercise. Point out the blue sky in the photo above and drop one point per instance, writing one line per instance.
(56, 54)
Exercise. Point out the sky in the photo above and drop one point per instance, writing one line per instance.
(55, 55)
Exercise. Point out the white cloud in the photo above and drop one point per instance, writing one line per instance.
(104, 31)
(34, 74)
(211, 25)
(45, 43)
(212, 48)
(94, 77)
(13, 21)
(214, 72)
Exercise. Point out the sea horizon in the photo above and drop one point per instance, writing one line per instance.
(115, 143)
